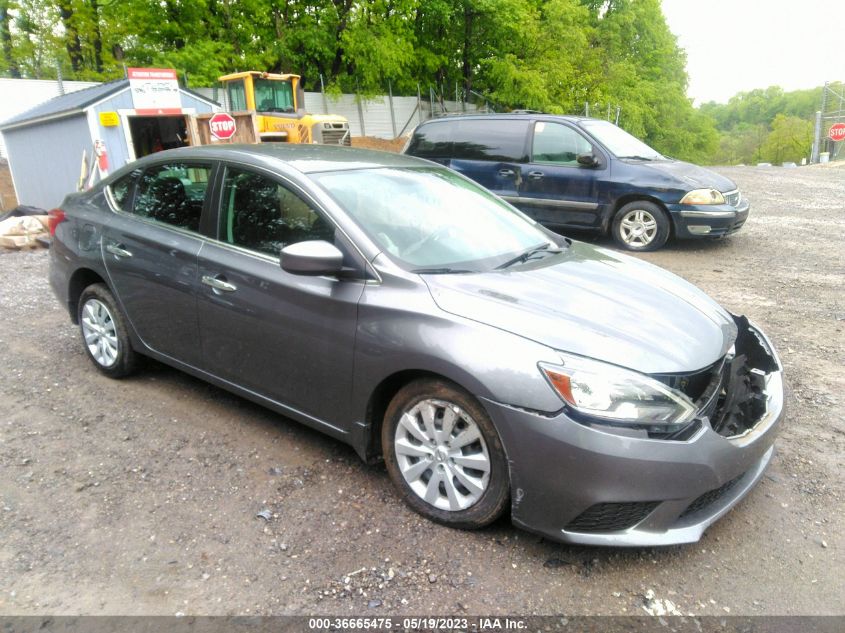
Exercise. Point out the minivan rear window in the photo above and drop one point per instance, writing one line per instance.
(472, 139)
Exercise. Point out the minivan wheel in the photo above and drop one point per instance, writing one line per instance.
(104, 332)
(640, 226)
(444, 455)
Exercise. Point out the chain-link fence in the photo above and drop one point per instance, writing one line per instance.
(827, 144)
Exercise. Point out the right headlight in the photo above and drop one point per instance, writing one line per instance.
(615, 395)
(703, 196)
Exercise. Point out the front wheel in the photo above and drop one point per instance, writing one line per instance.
(444, 455)
(104, 332)
(640, 226)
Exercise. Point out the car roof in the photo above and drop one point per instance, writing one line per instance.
(526, 116)
(304, 158)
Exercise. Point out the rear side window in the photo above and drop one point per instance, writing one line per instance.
(558, 144)
(173, 194)
(472, 139)
(120, 192)
(432, 141)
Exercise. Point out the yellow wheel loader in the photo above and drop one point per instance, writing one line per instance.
(279, 104)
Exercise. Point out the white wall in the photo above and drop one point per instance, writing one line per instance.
(19, 95)
(375, 111)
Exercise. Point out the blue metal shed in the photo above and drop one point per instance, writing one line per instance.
(45, 144)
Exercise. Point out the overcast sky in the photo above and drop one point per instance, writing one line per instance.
(739, 45)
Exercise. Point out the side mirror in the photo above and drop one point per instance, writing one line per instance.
(315, 258)
(587, 160)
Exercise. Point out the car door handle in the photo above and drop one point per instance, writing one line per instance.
(507, 173)
(118, 251)
(218, 284)
(535, 175)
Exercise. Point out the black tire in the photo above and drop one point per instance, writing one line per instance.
(493, 501)
(639, 244)
(125, 360)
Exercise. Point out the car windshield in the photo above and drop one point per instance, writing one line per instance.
(431, 219)
(619, 142)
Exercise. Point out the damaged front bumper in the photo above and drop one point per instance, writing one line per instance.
(591, 485)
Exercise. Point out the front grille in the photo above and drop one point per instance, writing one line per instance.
(710, 497)
(732, 197)
(692, 385)
(337, 137)
(730, 394)
(611, 517)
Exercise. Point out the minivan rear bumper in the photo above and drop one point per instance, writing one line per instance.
(696, 221)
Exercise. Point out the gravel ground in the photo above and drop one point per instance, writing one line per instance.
(141, 496)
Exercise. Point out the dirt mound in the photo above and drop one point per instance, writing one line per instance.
(383, 144)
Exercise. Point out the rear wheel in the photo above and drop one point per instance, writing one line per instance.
(640, 226)
(104, 332)
(444, 455)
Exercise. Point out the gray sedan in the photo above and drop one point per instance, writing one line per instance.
(399, 307)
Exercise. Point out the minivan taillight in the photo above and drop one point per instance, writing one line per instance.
(55, 217)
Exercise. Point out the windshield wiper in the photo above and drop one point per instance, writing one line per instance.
(637, 157)
(441, 271)
(526, 255)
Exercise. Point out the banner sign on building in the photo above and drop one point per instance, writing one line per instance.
(155, 91)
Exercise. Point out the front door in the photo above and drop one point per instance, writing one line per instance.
(555, 189)
(150, 251)
(289, 338)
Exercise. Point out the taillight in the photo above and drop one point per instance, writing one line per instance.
(56, 217)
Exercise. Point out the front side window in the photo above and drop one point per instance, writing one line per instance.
(432, 217)
(273, 95)
(237, 95)
(263, 215)
(173, 194)
(558, 144)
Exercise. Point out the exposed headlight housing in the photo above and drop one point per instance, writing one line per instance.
(703, 196)
(618, 396)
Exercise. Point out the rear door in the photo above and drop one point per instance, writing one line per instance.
(289, 338)
(491, 151)
(150, 251)
(555, 188)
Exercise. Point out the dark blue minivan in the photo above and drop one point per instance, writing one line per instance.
(582, 173)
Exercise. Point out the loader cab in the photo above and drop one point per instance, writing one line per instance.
(269, 93)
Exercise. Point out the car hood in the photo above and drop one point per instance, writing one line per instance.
(596, 303)
(688, 176)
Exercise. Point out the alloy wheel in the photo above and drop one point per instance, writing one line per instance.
(638, 228)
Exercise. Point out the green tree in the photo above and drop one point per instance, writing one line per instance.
(643, 70)
(791, 139)
(746, 124)
(36, 48)
(9, 62)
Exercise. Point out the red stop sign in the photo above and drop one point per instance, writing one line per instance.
(837, 132)
(222, 126)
